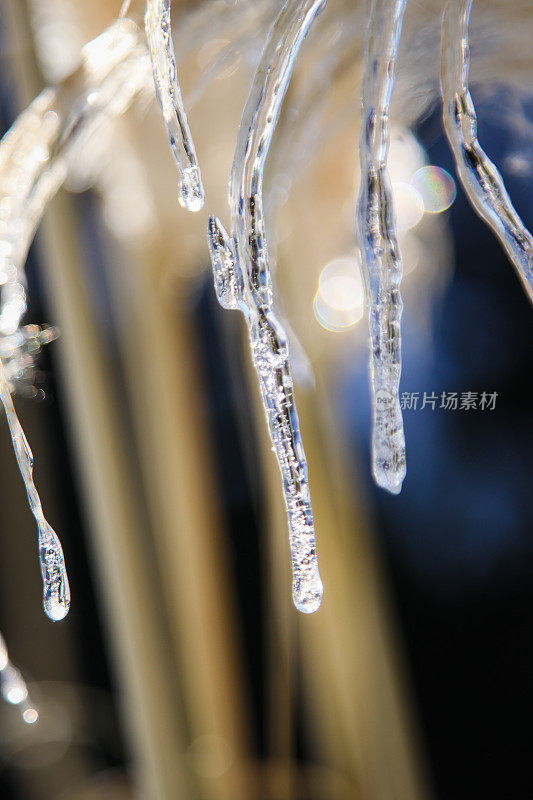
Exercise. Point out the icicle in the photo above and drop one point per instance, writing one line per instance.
(159, 34)
(56, 592)
(13, 686)
(243, 281)
(23, 151)
(479, 177)
(381, 260)
(44, 143)
(35, 156)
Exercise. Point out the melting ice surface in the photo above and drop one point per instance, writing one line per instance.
(34, 158)
(243, 281)
(380, 254)
(479, 177)
(159, 34)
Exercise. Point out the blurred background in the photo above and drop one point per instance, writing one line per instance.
(183, 670)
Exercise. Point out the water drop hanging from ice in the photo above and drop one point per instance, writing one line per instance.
(380, 254)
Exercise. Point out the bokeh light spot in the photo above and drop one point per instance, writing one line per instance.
(436, 187)
(409, 205)
(30, 716)
(339, 302)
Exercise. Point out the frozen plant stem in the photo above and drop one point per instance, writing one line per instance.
(243, 281)
(56, 591)
(479, 177)
(380, 254)
(159, 34)
(47, 140)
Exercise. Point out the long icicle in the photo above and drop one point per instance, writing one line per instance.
(56, 591)
(55, 138)
(479, 177)
(380, 254)
(243, 281)
(159, 34)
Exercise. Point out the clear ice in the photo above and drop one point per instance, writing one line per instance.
(159, 35)
(35, 157)
(380, 254)
(479, 177)
(243, 281)
(56, 592)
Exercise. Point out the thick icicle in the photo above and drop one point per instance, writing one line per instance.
(479, 177)
(243, 281)
(56, 592)
(380, 254)
(13, 686)
(159, 34)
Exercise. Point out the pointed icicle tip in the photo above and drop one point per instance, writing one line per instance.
(191, 191)
(226, 272)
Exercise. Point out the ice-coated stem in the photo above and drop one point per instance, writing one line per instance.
(47, 139)
(380, 254)
(479, 177)
(56, 591)
(243, 280)
(159, 34)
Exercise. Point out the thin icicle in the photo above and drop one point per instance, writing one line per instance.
(159, 34)
(380, 254)
(56, 592)
(243, 281)
(13, 686)
(35, 156)
(479, 177)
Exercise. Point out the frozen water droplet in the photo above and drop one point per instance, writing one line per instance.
(56, 592)
(307, 593)
(191, 193)
(159, 34)
(56, 609)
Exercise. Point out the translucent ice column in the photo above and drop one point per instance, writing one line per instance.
(479, 177)
(243, 281)
(35, 155)
(380, 254)
(56, 592)
(158, 31)
(48, 138)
